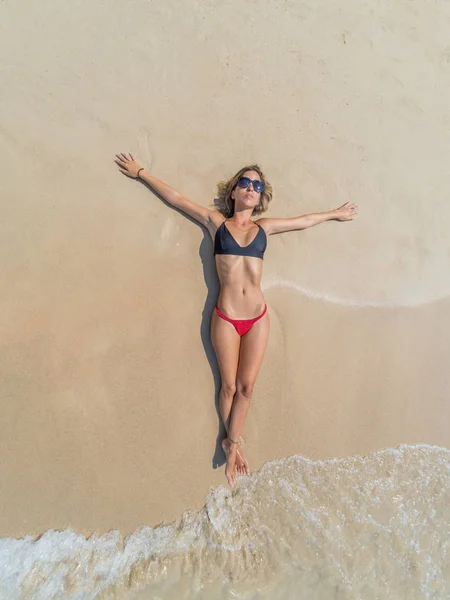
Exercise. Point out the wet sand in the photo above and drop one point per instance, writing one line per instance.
(109, 380)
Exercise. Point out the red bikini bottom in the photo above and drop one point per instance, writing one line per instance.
(242, 326)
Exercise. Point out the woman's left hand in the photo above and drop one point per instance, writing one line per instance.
(346, 212)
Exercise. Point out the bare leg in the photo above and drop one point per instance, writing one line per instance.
(227, 398)
(241, 404)
(253, 346)
(226, 342)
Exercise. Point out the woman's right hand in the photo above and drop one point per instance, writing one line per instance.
(128, 166)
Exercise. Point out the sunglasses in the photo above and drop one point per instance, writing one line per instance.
(244, 182)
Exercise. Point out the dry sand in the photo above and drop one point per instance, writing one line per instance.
(108, 377)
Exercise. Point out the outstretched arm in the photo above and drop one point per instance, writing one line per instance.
(131, 168)
(344, 213)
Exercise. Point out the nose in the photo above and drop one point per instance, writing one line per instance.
(250, 185)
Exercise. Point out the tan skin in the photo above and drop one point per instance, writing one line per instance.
(240, 297)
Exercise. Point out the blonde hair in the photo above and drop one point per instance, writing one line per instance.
(224, 203)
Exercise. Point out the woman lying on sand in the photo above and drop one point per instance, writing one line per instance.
(240, 322)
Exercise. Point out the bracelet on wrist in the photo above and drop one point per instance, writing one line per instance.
(141, 169)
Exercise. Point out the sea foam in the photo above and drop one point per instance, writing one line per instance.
(363, 527)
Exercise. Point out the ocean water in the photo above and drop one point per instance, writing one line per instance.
(364, 527)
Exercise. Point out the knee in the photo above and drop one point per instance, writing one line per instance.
(245, 388)
(228, 388)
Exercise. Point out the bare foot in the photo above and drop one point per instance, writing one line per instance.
(241, 463)
(230, 469)
(245, 469)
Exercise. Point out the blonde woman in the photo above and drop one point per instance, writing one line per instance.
(240, 322)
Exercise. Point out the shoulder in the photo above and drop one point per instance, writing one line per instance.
(214, 222)
(264, 223)
(280, 225)
(216, 218)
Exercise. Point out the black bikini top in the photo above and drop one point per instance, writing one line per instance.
(224, 243)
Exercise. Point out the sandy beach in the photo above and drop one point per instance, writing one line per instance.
(109, 380)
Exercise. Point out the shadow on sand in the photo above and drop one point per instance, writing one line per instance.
(213, 287)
